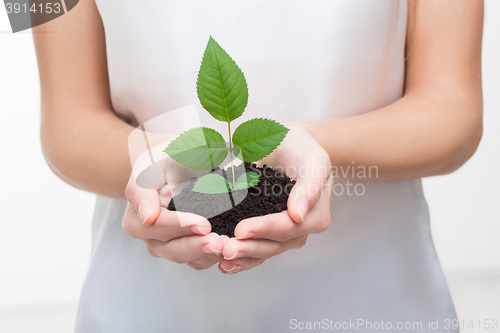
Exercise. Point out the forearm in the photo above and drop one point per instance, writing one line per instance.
(83, 141)
(419, 135)
(86, 146)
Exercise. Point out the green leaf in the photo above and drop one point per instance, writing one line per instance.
(257, 138)
(199, 148)
(212, 184)
(246, 180)
(221, 86)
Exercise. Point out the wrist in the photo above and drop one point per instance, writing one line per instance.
(306, 125)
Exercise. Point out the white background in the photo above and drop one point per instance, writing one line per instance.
(45, 233)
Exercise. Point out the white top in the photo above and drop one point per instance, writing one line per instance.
(303, 59)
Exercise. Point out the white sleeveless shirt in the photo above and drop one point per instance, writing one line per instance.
(303, 60)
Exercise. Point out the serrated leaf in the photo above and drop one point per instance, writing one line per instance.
(257, 138)
(212, 184)
(221, 86)
(199, 148)
(246, 180)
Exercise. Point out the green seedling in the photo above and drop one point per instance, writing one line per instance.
(223, 92)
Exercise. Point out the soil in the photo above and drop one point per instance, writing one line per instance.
(225, 211)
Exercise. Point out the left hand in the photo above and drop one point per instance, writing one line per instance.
(262, 237)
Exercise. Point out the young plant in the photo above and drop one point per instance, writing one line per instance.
(223, 92)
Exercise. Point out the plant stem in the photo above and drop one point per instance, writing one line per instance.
(231, 150)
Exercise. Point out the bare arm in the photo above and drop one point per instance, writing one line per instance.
(437, 125)
(83, 141)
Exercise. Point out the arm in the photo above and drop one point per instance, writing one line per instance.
(83, 140)
(437, 125)
(432, 130)
(86, 144)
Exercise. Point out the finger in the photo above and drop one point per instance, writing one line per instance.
(146, 202)
(319, 218)
(235, 266)
(259, 248)
(224, 238)
(165, 194)
(186, 249)
(167, 225)
(280, 226)
(205, 262)
(307, 190)
(277, 227)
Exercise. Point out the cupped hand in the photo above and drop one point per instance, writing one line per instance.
(175, 236)
(259, 238)
(192, 244)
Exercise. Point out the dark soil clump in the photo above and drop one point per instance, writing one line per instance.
(225, 211)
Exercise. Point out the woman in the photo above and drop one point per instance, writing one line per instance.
(391, 85)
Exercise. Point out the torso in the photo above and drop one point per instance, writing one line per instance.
(303, 60)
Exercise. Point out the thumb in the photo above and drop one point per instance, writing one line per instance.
(305, 193)
(146, 202)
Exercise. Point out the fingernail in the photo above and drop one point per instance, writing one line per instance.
(144, 210)
(247, 235)
(238, 254)
(233, 269)
(302, 208)
(200, 229)
(207, 248)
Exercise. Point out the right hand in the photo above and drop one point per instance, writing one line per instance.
(145, 219)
